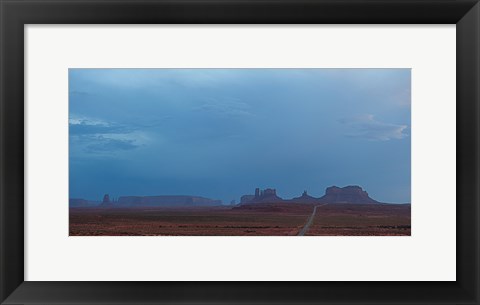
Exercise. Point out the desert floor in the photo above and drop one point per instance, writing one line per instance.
(272, 219)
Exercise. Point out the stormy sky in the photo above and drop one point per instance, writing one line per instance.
(219, 133)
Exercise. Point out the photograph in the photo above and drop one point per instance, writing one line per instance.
(239, 151)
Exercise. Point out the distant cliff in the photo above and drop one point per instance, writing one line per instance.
(333, 194)
(82, 203)
(305, 198)
(166, 201)
(266, 195)
(348, 194)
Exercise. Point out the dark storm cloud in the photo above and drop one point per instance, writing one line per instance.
(100, 136)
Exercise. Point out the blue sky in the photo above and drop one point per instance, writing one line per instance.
(220, 133)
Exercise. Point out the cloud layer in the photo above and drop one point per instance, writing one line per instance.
(97, 136)
(220, 133)
(367, 127)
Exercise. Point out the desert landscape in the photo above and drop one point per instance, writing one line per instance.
(345, 211)
(239, 151)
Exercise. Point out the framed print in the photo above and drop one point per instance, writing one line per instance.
(239, 152)
(218, 120)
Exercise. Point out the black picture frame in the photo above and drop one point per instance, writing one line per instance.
(17, 13)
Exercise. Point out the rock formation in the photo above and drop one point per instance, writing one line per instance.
(166, 201)
(106, 199)
(305, 198)
(266, 195)
(247, 198)
(348, 194)
(82, 203)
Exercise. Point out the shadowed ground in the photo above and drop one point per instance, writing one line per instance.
(200, 221)
(362, 220)
(266, 219)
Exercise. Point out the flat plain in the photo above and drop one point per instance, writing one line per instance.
(266, 219)
(361, 220)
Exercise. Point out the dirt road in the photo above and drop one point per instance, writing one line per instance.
(310, 220)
